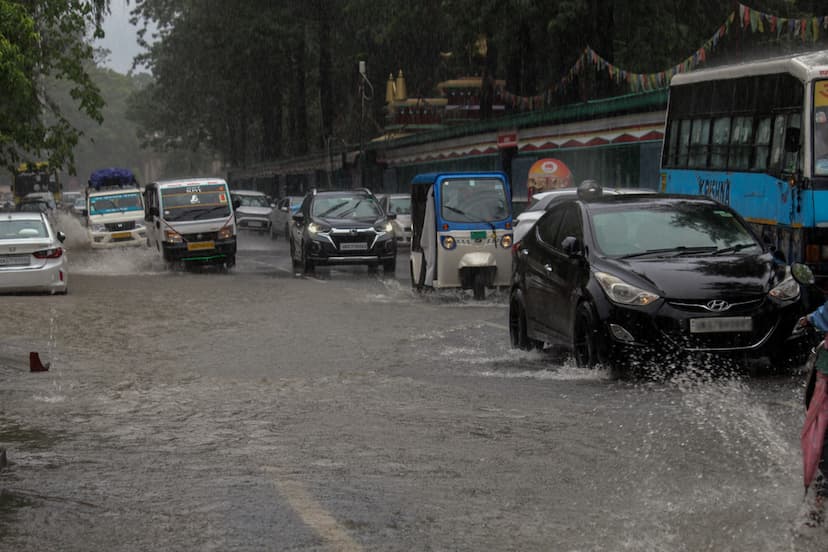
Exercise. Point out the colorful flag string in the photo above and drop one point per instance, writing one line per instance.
(806, 29)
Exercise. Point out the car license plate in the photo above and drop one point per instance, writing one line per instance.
(353, 246)
(255, 223)
(121, 235)
(14, 260)
(722, 324)
(478, 235)
(198, 246)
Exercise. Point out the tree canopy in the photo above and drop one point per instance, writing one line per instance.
(42, 41)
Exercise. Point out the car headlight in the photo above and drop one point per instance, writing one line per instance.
(506, 241)
(316, 228)
(99, 228)
(623, 293)
(386, 227)
(448, 242)
(788, 290)
(139, 225)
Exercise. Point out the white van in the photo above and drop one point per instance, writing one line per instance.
(191, 221)
(114, 209)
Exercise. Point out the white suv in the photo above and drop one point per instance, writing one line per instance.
(254, 210)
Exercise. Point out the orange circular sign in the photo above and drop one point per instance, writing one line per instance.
(549, 174)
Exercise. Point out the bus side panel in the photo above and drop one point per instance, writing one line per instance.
(758, 197)
(819, 203)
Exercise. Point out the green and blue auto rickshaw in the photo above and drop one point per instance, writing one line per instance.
(461, 231)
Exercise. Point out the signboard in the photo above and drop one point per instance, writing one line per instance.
(507, 140)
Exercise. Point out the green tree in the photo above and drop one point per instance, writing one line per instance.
(41, 40)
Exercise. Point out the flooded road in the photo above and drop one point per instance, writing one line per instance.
(257, 410)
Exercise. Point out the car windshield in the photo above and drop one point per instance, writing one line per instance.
(195, 202)
(399, 205)
(16, 229)
(252, 200)
(473, 200)
(345, 207)
(675, 228)
(120, 203)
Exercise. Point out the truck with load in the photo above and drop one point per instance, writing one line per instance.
(114, 209)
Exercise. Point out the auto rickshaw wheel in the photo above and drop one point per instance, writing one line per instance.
(479, 286)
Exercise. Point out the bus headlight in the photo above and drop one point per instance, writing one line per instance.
(448, 242)
(506, 241)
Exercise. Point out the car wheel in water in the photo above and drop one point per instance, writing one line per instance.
(390, 266)
(584, 347)
(479, 286)
(518, 335)
(307, 264)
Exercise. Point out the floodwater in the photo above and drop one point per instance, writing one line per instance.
(257, 410)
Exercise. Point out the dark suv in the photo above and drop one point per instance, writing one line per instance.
(342, 227)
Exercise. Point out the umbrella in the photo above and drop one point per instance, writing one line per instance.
(813, 431)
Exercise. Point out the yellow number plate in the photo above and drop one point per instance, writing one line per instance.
(120, 235)
(196, 246)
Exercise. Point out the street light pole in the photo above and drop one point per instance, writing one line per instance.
(363, 95)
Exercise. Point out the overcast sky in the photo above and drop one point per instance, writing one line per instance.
(120, 38)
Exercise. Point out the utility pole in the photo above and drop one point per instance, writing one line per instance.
(365, 94)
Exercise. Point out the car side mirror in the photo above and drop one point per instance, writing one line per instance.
(392, 215)
(236, 203)
(84, 212)
(61, 237)
(571, 246)
(299, 218)
(803, 274)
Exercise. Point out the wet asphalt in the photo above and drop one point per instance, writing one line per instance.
(258, 410)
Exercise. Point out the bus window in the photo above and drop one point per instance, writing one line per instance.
(672, 145)
(793, 136)
(778, 141)
(684, 144)
(699, 143)
(741, 143)
(721, 137)
(763, 138)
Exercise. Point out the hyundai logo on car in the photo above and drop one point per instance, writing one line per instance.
(717, 305)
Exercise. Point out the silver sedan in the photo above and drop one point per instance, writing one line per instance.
(32, 257)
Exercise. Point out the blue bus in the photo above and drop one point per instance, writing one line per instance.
(754, 136)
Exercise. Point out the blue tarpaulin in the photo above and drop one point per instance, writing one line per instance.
(122, 178)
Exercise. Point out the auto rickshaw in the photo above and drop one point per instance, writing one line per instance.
(461, 231)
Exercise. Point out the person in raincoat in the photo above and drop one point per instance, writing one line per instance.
(813, 438)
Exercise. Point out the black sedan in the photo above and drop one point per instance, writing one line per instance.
(342, 227)
(624, 280)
